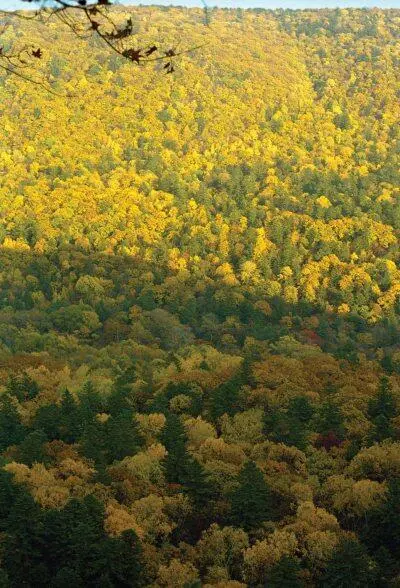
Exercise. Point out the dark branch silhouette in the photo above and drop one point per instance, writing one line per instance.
(86, 19)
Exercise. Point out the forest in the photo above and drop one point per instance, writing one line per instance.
(200, 305)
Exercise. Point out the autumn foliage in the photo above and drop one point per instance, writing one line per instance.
(199, 306)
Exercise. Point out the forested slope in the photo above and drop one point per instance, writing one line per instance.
(199, 305)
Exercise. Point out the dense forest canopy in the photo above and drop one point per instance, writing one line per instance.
(199, 305)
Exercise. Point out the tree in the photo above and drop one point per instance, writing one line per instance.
(290, 426)
(70, 419)
(48, 419)
(90, 403)
(383, 527)
(173, 437)
(31, 449)
(121, 398)
(22, 387)
(122, 436)
(350, 566)
(196, 483)
(285, 574)
(12, 431)
(180, 467)
(381, 410)
(224, 399)
(301, 409)
(329, 424)
(93, 444)
(80, 549)
(251, 502)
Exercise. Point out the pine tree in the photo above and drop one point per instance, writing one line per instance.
(224, 399)
(349, 567)
(300, 408)
(251, 502)
(290, 426)
(12, 431)
(90, 402)
(70, 419)
(195, 483)
(31, 449)
(94, 443)
(381, 410)
(48, 419)
(121, 397)
(329, 424)
(123, 438)
(22, 387)
(387, 567)
(285, 574)
(180, 467)
(56, 546)
(384, 522)
(173, 437)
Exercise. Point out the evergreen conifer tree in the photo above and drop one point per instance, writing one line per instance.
(285, 574)
(12, 431)
(251, 502)
(31, 449)
(173, 437)
(196, 484)
(70, 419)
(224, 399)
(381, 410)
(349, 567)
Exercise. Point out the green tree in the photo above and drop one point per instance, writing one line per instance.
(93, 444)
(173, 437)
(51, 547)
(285, 574)
(196, 483)
(31, 449)
(381, 410)
(12, 431)
(122, 436)
(48, 419)
(383, 527)
(291, 426)
(22, 387)
(70, 418)
(349, 567)
(301, 409)
(329, 424)
(224, 399)
(251, 501)
(90, 402)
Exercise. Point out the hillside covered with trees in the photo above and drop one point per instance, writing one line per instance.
(200, 305)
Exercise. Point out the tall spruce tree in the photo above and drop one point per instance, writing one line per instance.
(22, 387)
(70, 419)
(31, 449)
(285, 574)
(122, 436)
(330, 420)
(381, 410)
(180, 467)
(173, 437)
(383, 527)
(349, 567)
(12, 430)
(196, 484)
(251, 501)
(224, 399)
